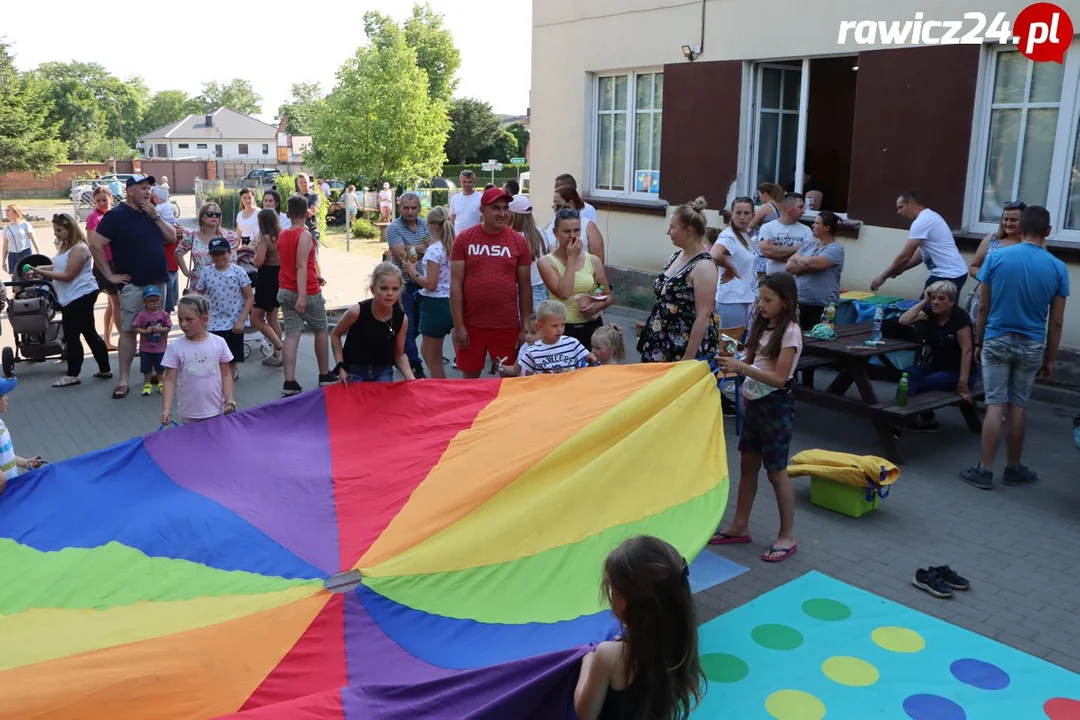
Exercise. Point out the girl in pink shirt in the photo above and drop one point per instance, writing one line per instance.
(196, 366)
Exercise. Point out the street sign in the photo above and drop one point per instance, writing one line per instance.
(517, 161)
(491, 166)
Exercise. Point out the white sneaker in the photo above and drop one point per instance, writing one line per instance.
(274, 360)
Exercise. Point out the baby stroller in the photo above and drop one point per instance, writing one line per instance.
(33, 311)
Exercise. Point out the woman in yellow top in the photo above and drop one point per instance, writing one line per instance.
(576, 278)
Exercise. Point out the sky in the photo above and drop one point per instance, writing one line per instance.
(193, 43)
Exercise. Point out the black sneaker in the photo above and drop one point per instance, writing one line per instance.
(956, 582)
(418, 372)
(930, 581)
(977, 476)
(930, 427)
(727, 406)
(327, 379)
(291, 387)
(1019, 475)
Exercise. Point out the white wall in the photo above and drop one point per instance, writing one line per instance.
(230, 148)
(572, 39)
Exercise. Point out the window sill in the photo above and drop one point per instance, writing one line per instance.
(1066, 252)
(626, 205)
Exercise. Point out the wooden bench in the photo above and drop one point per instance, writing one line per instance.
(934, 400)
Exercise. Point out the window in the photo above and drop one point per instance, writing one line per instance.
(1028, 148)
(777, 122)
(161, 150)
(626, 145)
(218, 151)
(200, 146)
(183, 146)
(266, 149)
(243, 149)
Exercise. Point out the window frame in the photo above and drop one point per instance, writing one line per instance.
(183, 146)
(242, 148)
(1064, 144)
(631, 127)
(266, 148)
(202, 146)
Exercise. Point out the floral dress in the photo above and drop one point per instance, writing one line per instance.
(200, 253)
(666, 332)
(973, 299)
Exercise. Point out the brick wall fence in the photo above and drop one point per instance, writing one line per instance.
(21, 184)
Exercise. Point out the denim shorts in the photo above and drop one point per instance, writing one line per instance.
(1009, 366)
(370, 373)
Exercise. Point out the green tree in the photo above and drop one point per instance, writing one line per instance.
(502, 148)
(237, 94)
(378, 121)
(474, 128)
(100, 149)
(166, 107)
(29, 142)
(436, 53)
(306, 97)
(521, 134)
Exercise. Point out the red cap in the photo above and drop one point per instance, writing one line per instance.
(494, 195)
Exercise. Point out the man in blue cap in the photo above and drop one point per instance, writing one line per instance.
(10, 463)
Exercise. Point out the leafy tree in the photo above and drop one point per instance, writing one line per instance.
(379, 121)
(504, 147)
(305, 98)
(100, 149)
(474, 127)
(29, 142)
(237, 94)
(166, 107)
(436, 53)
(521, 134)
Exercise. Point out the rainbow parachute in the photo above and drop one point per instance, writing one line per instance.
(185, 574)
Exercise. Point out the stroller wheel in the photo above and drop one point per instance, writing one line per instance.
(247, 351)
(9, 362)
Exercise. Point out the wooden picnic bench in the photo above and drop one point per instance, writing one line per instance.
(850, 356)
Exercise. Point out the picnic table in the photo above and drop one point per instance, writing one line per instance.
(850, 356)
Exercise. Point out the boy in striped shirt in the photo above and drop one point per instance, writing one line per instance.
(10, 463)
(553, 352)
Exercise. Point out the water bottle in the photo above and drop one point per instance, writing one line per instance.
(879, 317)
(902, 391)
(830, 315)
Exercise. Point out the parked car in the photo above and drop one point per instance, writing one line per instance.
(266, 177)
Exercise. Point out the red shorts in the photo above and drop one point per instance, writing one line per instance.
(484, 343)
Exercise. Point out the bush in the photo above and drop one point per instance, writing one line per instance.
(362, 228)
(440, 197)
(228, 199)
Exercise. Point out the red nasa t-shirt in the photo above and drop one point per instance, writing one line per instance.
(491, 267)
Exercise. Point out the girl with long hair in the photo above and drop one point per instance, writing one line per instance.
(540, 244)
(436, 321)
(1007, 235)
(772, 354)
(103, 200)
(369, 340)
(264, 315)
(736, 252)
(247, 221)
(653, 671)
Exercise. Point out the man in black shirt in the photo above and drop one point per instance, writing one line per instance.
(813, 190)
(137, 236)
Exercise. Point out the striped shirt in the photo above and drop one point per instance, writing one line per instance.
(398, 233)
(564, 355)
(7, 454)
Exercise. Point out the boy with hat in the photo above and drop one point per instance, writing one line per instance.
(10, 463)
(152, 325)
(228, 288)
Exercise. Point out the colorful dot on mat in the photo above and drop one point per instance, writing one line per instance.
(1062, 709)
(850, 671)
(724, 668)
(794, 705)
(898, 639)
(826, 609)
(777, 637)
(933, 707)
(979, 674)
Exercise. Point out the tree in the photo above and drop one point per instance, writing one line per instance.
(436, 53)
(474, 127)
(101, 148)
(504, 147)
(521, 134)
(29, 142)
(168, 106)
(378, 121)
(237, 94)
(306, 97)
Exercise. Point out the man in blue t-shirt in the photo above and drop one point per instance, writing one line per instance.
(1021, 285)
(137, 235)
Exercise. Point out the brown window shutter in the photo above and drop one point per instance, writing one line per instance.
(699, 143)
(913, 114)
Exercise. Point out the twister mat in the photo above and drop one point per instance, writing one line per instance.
(817, 648)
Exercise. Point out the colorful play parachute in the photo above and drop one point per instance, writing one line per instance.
(198, 571)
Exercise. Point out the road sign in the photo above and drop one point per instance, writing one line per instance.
(517, 161)
(491, 166)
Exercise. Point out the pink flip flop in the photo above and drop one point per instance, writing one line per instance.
(785, 553)
(725, 539)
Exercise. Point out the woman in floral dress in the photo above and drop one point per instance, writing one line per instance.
(683, 324)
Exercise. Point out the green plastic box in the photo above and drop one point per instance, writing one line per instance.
(845, 499)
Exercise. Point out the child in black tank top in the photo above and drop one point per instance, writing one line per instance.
(374, 332)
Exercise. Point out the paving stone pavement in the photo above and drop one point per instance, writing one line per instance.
(1016, 545)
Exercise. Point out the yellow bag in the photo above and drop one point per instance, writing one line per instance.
(862, 471)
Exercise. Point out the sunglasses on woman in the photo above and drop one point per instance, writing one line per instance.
(1015, 205)
(59, 219)
(211, 213)
(568, 213)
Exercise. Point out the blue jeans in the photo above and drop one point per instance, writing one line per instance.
(1010, 363)
(13, 259)
(172, 292)
(370, 373)
(410, 299)
(540, 294)
(923, 378)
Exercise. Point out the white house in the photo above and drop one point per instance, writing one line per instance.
(223, 134)
(652, 104)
